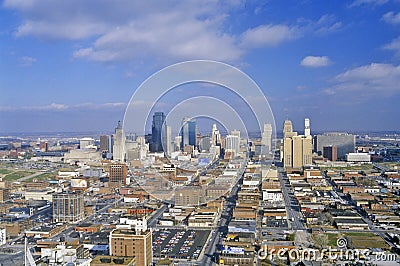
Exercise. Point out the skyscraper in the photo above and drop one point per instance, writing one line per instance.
(68, 207)
(205, 143)
(106, 143)
(156, 132)
(287, 133)
(287, 152)
(236, 133)
(168, 140)
(232, 144)
(297, 151)
(266, 138)
(287, 127)
(119, 143)
(307, 130)
(215, 136)
(188, 132)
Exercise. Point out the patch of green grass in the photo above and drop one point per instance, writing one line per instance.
(17, 175)
(5, 171)
(366, 240)
(362, 167)
(360, 234)
(332, 239)
(291, 237)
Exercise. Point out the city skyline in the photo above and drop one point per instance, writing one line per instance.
(75, 72)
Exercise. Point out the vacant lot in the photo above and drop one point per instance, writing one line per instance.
(17, 175)
(366, 240)
(5, 171)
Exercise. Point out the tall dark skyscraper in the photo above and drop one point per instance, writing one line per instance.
(188, 132)
(156, 132)
(105, 143)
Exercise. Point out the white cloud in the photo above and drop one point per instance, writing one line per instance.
(327, 24)
(49, 107)
(268, 35)
(394, 45)
(368, 2)
(373, 79)
(391, 17)
(172, 30)
(133, 29)
(64, 107)
(163, 35)
(315, 61)
(27, 61)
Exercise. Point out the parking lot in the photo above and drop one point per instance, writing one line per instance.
(179, 243)
(279, 223)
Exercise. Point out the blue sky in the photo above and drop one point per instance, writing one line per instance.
(74, 65)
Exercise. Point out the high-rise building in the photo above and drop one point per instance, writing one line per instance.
(132, 243)
(215, 136)
(4, 194)
(232, 144)
(307, 130)
(266, 138)
(307, 150)
(205, 143)
(141, 140)
(188, 132)
(119, 152)
(287, 152)
(118, 174)
(44, 146)
(68, 207)
(3, 236)
(156, 132)
(287, 133)
(168, 140)
(287, 127)
(330, 153)
(235, 133)
(105, 143)
(297, 151)
(344, 142)
(177, 143)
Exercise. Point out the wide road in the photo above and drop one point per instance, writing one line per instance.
(222, 228)
(291, 203)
